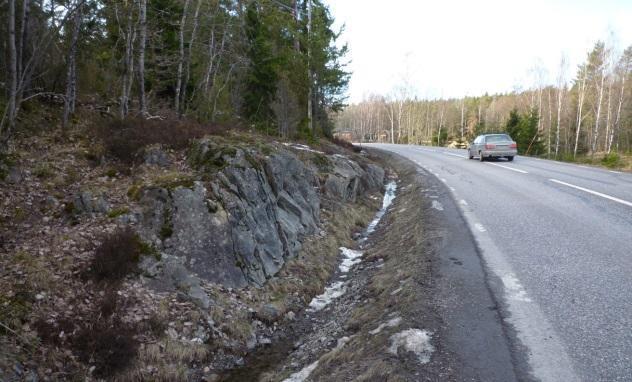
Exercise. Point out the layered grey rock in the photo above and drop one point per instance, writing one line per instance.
(85, 202)
(240, 227)
(348, 179)
(156, 156)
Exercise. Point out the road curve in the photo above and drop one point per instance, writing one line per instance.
(556, 240)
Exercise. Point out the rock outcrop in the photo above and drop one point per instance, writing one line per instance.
(248, 213)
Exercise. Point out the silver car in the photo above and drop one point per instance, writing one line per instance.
(493, 146)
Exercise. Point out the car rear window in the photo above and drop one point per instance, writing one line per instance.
(498, 138)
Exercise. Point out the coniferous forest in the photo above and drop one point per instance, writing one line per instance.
(270, 64)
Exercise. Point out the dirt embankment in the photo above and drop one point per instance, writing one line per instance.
(78, 294)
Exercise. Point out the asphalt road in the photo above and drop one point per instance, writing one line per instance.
(556, 241)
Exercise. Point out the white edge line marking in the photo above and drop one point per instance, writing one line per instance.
(615, 172)
(629, 204)
(508, 168)
(456, 155)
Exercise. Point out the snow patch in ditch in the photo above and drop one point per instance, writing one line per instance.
(331, 293)
(302, 375)
(389, 196)
(388, 324)
(413, 340)
(350, 258)
(302, 147)
(437, 206)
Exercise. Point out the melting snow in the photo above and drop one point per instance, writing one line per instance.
(332, 292)
(514, 289)
(413, 340)
(388, 324)
(396, 291)
(389, 196)
(351, 258)
(302, 147)
(437, 206)
(303, 374)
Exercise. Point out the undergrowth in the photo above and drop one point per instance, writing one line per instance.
(125, 139)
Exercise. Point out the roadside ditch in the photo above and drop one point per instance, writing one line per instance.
(378, 318)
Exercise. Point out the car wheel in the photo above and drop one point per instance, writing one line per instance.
(480, 156)
(469, 153)
(510, 159)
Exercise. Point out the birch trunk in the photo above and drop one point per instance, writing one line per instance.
(608, 113)
(548, 135)
(560, 95)
(181, 58)
(13, 77)
(209, 67)
(20, 50)
(580, 105)
(128, 63)
(142, 102)
(71, 70)
(462, 117)
(593, 147)
(617, 120)
(187, 71)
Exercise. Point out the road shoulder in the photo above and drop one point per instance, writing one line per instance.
(425, 269)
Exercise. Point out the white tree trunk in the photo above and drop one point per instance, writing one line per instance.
(617, 121)
(20, 50)
(608, 113)
(462, 117)
(128, 70)
(593, 147)
(580, 105)
(71, 69)
(187, 71)
(183, 22)
(13, 77)
(560, 95)
(142, 101)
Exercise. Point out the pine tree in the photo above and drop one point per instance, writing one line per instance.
(261, 80)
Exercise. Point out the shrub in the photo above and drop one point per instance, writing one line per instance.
(125, 139)
(346, 144)
(6, 162)
(611, 160)
(50, 332)
(43, 171)
(116, 212)
(117, 255)
(108, 345)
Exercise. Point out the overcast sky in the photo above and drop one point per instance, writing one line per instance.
(453, 48)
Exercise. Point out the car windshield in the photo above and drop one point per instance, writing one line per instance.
(497, 138)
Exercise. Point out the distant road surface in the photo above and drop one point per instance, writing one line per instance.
(556, 240)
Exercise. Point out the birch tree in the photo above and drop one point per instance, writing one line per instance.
(13, 78)
(142, 101)
(128, 61)
(597, 66)
(71, 69)
(580, 105)
(561, 87)
(181, 56)
(625, 66)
